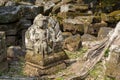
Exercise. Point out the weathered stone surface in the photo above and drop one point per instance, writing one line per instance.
(23, 39)
(14, 52)
(10, 3)
(113, 60)
(29, 1)
(72, 43)
(7, 27)
(11, 40)
(113, 65)
(9, 14)
(3, 57)
(44, 49)
(48, 7)
(24, 24)
(94, 28)
(3, 66)
(2, 47)
(18, 78)
(78, 24)
(66, 34)
(74, 7)
(25, 3)
(11, 32)
(3, 27)
(73, 25)
(48, 60)
(2, 2)
(35, 70)
(97, 19)
(114, 16)
(39, 2)
(56, 8)
(103, 32)
(30, 11)
(88, 37)
(71, 14)
(56, 1)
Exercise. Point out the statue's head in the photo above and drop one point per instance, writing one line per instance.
(40, 21)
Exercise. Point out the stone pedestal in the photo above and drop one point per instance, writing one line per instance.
(36, 65)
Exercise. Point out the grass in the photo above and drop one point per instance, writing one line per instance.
(76, 54)
(109, 78)
(97, 73)
(60, 78)
(106, 54)
(15, 68)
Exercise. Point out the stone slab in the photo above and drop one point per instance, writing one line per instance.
(50, 59)
(35, 70)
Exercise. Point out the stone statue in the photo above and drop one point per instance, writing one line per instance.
(43, 36)
(44, 47)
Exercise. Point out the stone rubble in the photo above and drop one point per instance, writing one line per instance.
(77, 25)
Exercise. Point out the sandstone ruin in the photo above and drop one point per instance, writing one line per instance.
(44, 47)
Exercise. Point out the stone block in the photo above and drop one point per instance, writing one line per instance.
(2, 2)
(66, 34)
(64, 15)
(11, 32)
(94, 28)
(38, 65)
(88, 37)
(74, 7)
(103, 32)
(3, 27)
(24, 24)
(35, 70)
(74, 28)
(49, 59)
(15, 52)
(11, 40)
(9, 14)
(31, 11)
(72, 43)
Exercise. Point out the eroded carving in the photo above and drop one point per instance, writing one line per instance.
(44, 36)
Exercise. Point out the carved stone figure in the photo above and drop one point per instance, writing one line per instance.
(44, 34)
(44, 47)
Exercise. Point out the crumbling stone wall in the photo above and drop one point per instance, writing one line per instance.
(3, 53)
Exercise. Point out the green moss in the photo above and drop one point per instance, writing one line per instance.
(104, 17)
(97, 18)
(17, 0)
(114, 16)
(77, 54)
(97, 73)
(60, 78)
(106, 53)
(109, 78)
(114, 13)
